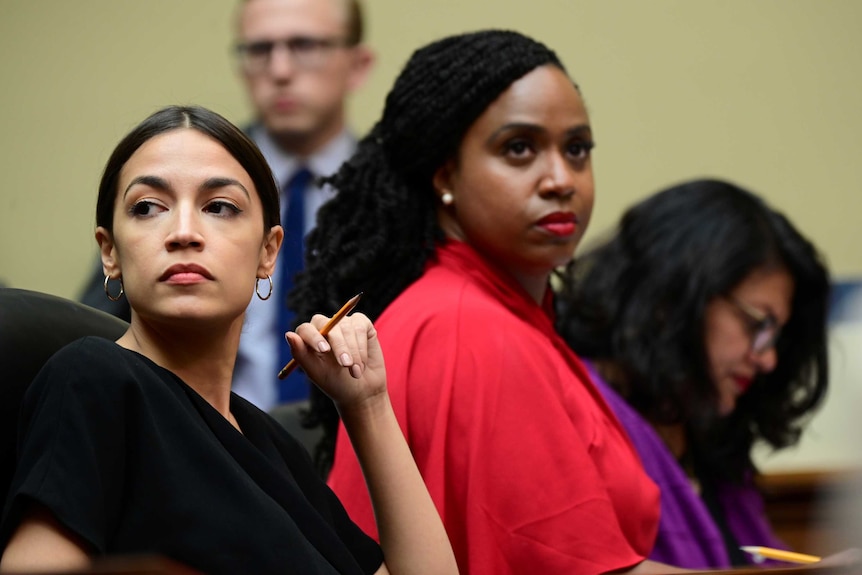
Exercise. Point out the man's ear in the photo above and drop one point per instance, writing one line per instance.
(269, 251)
(108, 252)
(360, 66)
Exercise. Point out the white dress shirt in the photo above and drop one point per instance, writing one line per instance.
(254, 376)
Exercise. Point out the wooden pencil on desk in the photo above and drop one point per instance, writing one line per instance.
(345, 309)
(779, 554)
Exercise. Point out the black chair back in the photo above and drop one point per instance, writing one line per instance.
(33, 326)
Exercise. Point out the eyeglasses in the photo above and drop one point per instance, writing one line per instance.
(762, 325)
(306, 52)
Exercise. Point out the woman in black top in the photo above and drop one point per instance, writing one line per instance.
(139, 446)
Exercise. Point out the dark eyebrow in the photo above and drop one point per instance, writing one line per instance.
(215, 183)
(161, 184)
(151, 181)
(582, 130)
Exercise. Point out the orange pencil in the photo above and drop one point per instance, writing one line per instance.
(345, 309)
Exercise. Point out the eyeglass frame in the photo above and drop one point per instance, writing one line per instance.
(762, 325)
(314, 47)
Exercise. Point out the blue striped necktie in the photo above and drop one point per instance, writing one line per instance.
(290, 261)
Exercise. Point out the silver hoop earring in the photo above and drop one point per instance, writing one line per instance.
(257, 288)
(447, 198)
(108, 291)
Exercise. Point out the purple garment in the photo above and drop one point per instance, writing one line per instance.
(687, 534)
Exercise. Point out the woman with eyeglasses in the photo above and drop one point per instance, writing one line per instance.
(704, 322)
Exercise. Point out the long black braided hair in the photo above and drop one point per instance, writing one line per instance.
(379, 231)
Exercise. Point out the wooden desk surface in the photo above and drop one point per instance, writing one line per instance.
(813, 511)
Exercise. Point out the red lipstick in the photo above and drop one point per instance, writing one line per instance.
(560, 224)
(743, 383)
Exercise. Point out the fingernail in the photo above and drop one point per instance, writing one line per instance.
(323, 346)
(356, 371)
(345, 359)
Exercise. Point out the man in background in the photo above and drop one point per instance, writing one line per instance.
(299, 60)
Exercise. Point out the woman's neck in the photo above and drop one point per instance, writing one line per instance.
(535, 281)
(613, 375)
(673, 436)
(202, 357)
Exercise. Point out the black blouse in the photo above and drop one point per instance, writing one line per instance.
(131, 459)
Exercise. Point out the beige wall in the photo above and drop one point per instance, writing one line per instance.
(763, 92)
(766, 93)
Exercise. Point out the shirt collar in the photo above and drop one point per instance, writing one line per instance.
(325, 162)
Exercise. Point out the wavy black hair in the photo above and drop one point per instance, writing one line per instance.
(638, 303)
(378, 232)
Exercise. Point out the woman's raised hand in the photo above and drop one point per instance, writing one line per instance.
(346, 364)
